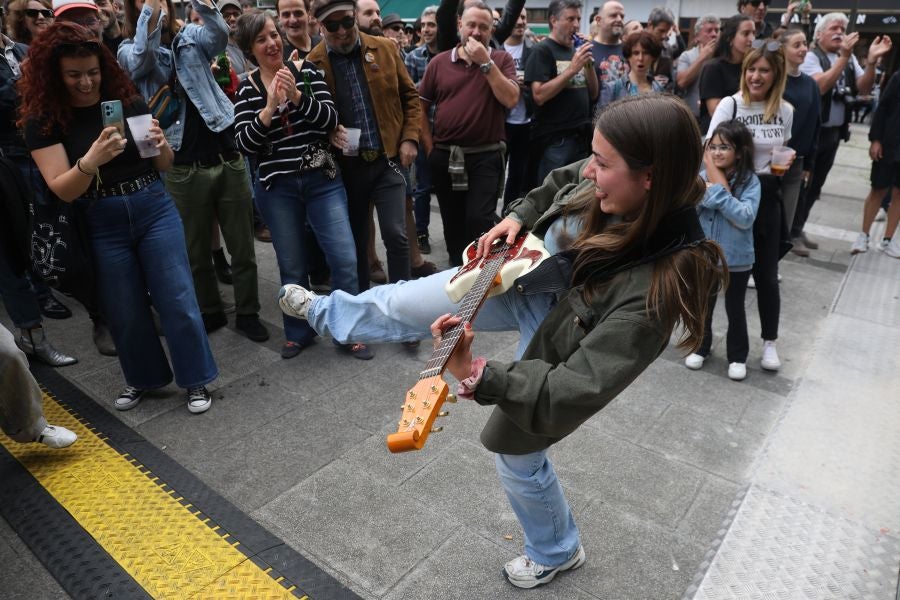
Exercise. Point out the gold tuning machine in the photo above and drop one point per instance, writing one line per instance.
(436, 429)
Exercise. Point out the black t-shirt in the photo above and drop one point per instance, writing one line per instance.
(718, 79)
(84, 129)
(199, 141)
(570, 110)
(288, 47)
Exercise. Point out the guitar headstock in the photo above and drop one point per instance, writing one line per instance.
(421, 406)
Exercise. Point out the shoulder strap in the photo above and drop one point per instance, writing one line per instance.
(823, 58)
(734, 110)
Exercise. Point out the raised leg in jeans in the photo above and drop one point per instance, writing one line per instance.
(534, 492)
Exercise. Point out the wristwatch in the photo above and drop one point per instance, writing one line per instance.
(486, 67)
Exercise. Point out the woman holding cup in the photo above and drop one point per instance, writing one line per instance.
(135, 232)
(283, 115)
(761, 107)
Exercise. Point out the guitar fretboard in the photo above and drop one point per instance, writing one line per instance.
(469, 305)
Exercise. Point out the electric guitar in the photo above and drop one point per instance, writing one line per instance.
(474, 282)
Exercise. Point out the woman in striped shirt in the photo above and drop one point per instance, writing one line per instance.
(283, 114)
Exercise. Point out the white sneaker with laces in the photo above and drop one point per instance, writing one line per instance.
(129, 398)
(770, 360)
(694, 361)
(54, 436)
(883, 244)
(294, 300)
(860, 245)
(881, 215)
(737, 371)
(199, 399)
(893, 249)
(523, 572)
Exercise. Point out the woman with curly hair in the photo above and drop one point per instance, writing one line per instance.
(28, 18)
(134, 229)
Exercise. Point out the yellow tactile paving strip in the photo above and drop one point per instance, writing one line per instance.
(143, 524)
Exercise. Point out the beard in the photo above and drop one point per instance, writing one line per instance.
(373, 30)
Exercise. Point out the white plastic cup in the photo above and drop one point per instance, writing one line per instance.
(351, 148)
(781, 159)
(140, 128)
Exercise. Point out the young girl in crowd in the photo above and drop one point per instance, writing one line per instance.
(721, 77)
(134, 229)
(640, 50)
(761, 107)
(640, 266)
(727, 214)
(802, 92)
(282, 116)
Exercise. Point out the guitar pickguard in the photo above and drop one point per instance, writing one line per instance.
(523, 256)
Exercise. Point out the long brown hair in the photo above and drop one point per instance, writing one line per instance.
(43, 93)
(129, 26)
(776, 61)
(645, 130)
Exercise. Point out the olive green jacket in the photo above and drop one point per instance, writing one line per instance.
(582, 356)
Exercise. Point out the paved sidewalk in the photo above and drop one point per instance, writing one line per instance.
(299, 444)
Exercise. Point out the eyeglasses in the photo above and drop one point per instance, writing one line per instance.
(347, 23)
(720, 147)
(34, 12)
(771, 45)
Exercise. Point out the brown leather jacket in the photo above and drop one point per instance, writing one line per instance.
(394, 96)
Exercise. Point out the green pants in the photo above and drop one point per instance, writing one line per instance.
(202, 194)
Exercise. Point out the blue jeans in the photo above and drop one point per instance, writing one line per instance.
(138, 246)
(18, 296)
(422, 194)
(292, 201)
(560, 153)
(534, 492)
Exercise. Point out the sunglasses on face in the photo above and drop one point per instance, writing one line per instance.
(332, 26)
(771, 45)
(34, 12)
(756, 3)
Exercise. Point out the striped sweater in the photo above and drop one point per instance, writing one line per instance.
(288, 143)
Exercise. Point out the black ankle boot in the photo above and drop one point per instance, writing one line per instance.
(223, 269)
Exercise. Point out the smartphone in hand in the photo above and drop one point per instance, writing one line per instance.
(113, 115)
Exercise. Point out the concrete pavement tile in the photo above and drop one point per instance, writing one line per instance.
(634, 479)
(468, 567)
(104, 386)
(703, 520)
(762, 412)
(628, 558)
(24, 576)
(706, 443)
(372, 534)
(237, 356)
(261, 464)
(630, 414)
(372, 456)
(237, 409)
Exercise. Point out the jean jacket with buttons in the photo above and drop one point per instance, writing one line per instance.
(193, 50)
(727, 218)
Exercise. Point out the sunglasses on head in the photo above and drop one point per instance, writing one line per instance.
(756, 3)
(771, 45)
(332, 26)
(68, 49)
(34, 12)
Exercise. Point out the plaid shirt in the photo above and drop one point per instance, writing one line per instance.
(348, 70)
(416, 62)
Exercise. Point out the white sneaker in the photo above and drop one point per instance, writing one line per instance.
(893, 249)
(881, 215)
(860, 245)
(694, 361)
(523, 572)
(54, 436)
(737, 371)
(294, 300)
(770, 360)
(199, 399)
(751, 283)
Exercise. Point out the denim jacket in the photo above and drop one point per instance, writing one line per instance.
(728, 218)
(193, 49)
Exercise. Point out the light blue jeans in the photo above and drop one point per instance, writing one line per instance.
(404, 311)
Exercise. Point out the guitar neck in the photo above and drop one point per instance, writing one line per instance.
(468, 307)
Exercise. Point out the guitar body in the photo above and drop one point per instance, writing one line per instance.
(526, 253)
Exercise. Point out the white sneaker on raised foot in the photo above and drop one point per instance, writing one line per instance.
(770, 360)
(294, 300)
(860, 245)
(54, 436)
(737, 371)
(694, 361)
(523, 572)
(893, 249)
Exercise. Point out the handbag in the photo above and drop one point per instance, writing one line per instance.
(60, 249)
(165, 104)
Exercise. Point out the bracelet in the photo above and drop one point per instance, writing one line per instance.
(80, 168)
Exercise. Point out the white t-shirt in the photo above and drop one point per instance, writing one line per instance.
(811, 66)
(517, 114)
(766, 134)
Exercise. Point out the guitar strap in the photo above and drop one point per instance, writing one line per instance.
(553, 275)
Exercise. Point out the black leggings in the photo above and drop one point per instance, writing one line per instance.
(767, 245)
(736, 341)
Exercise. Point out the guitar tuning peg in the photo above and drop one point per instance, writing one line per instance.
(443, 413)
(436, 429)
(451, 398)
